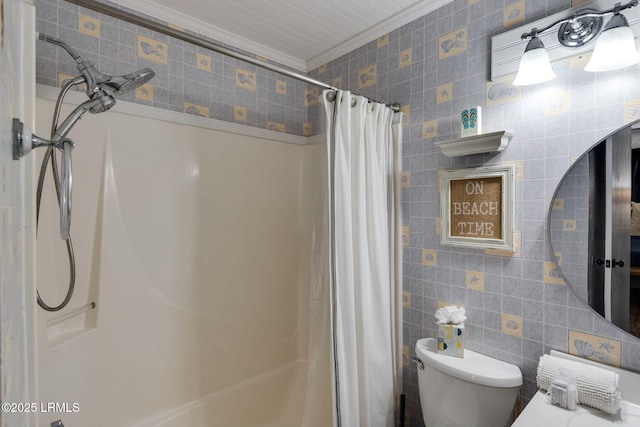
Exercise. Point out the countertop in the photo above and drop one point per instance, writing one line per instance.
(540, 413)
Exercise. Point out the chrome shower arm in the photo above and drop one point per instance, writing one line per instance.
(58, 42)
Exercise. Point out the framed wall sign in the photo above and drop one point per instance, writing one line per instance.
(478, 207)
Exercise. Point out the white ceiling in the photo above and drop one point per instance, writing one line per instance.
(302, 34)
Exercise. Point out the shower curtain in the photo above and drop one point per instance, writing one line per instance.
(364, 265)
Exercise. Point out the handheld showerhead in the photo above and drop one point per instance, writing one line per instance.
(100, 103)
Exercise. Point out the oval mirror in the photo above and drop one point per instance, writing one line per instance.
(594, 228)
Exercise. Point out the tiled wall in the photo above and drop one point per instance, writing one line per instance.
(188, 78)
(435, 67)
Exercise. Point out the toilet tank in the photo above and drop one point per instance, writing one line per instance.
(474, 391)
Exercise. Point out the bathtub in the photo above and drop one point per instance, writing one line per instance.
(272, 399)
(193, 244)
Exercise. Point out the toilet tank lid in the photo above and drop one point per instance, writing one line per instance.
(473, 367)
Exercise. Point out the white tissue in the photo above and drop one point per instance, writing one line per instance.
(450, 315)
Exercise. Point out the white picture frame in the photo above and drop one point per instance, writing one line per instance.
(478, 207)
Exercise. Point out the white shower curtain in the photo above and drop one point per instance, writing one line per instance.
(363, 141)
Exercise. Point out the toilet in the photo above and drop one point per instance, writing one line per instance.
(474, 391)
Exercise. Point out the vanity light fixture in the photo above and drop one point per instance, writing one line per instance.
(615, 48)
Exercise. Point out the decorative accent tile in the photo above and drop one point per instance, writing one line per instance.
(89, 25)
(281, 87)
(406, 299)
(552, 273)
(307, 129)
(513, 14)
(557, 103)
(368, 77)
(444, 92)
(311, 97)
(176, 27)
(203, 62)
(245, 79)
(405, 58)
(153, 50)
(558, 204)
(405, 236)
(337, 82)
(575, 3)
(279, 127)
(430, 130)
(474, 2)
(145, 92)
(430, 257)
(512, 325)
(499, 93)
(239, 114)
(452, 43)
(196, 109)
(322, 68)
(631, 110)
(475, 280)
(438, 226)
(383, 41)
(406, 179)
(517, 242)
(568, 225)
(406, 114)
(593, 347)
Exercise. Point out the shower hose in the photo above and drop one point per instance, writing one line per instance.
(50, 156)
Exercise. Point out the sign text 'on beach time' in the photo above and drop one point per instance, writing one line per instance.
(476, 207)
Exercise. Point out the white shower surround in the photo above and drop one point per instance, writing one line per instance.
(195, 245)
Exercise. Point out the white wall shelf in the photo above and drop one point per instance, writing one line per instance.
(485, 143)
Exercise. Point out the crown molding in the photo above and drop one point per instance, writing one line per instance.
(396, 21)
(204, 29)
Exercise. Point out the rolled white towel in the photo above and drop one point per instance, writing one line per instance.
(597, 387)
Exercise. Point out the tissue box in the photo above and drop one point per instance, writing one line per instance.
(451, 340)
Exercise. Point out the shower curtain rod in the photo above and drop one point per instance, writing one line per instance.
(164, 29)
